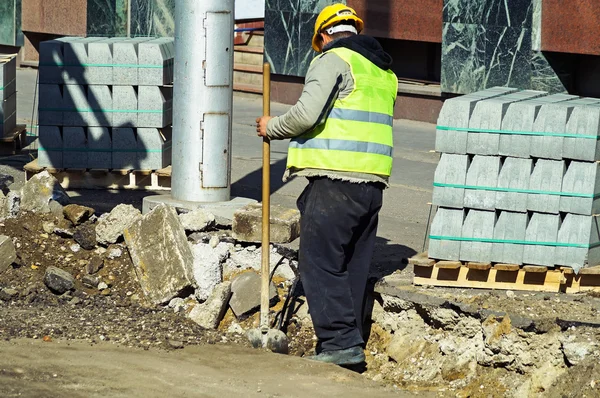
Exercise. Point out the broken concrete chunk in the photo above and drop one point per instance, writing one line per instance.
(245, 290)
(207, 268)
(110, 228)
(56, 209)
(209, 314)
(161, 256)
(77, 214)
(85, 235)
(58, 281)
(13, 204)
(90, 281)
(197, 220)
(247, 224)
(7, 253)
(5, 181)
(40, 190)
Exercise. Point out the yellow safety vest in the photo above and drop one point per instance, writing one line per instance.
(357, 134)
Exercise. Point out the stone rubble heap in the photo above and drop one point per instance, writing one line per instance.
(518, 180)
(105, 103)
(8, 94)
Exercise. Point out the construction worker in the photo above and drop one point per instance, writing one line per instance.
(341, 140)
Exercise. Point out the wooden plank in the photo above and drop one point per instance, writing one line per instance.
(567, 270)
(448, 264)
(421, 259)
(535, 268)
(143, 172)
(506, 267)
(590, 270)
(479, 266)
(550, 281)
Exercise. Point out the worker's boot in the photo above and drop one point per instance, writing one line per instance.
(349, 356)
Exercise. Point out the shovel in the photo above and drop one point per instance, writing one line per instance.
(271, 339)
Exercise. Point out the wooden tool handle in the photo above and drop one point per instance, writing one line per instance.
(266, 206)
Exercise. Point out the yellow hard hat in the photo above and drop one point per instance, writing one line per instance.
(332, 15)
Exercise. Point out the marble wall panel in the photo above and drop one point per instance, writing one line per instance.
(508, 57)
(463, 58)
(513, 13)
(107, 17)
(152, 18)
(10, 23)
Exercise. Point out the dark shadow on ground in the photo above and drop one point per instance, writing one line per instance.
(250, 186)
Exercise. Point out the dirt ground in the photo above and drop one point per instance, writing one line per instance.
(76, 369)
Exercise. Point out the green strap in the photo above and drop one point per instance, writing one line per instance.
(534, 133)
(140, 66)
(515, 242)
(517, 190)
(83, 110)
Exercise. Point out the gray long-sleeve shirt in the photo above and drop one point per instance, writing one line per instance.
(328, 78)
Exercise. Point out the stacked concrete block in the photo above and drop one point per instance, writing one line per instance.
(447, 223)
(552, 119)
(509, 229)
(456, 114)
(105, 95)
(488, 115)
(542, 228)
(582, 179)
(8, 94)
(526, 179)
(514, 177)
(520, 117)
(580, 237)
(547, 176)
(483, 172)
(452, 170)
(50, 146)
(477, 225)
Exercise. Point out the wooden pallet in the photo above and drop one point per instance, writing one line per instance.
(151, 180)
(13, 141)
(430, 272)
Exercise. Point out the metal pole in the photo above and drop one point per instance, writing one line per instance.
(202, 100)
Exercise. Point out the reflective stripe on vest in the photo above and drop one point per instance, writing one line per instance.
(357, 134)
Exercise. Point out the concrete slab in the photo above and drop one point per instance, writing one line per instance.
(451, 169)
(456, 112)
(520, 116)
(581, 178)
(584, 120)
(154, 148)
(509, 226)
(477, 224)
(576, 229)
(124, 149)
(50, 147)
(446, 223)
(51, 105)
(483, 172)
(284, 222)
(160, 54)
(75, 148)
(488, 115)
(99, 53)
(51, 61)
(155, 106)
(541, 228)
(125, 106)
(100, 103)
(219, 209)
(552, 119)
(100, 148)
(76, 107)
(547, 176)
(515, 173)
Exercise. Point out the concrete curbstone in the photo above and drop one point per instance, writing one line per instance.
(547, 175)
(446, 222)
(509, 226)
(541, 228)
(477, 224)
(483, 172)
(451, 169)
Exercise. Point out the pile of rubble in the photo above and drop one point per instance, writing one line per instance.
(168, 280)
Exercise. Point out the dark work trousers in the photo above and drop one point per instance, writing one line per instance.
(337, 238)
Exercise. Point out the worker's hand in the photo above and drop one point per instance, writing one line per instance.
(261, 125)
